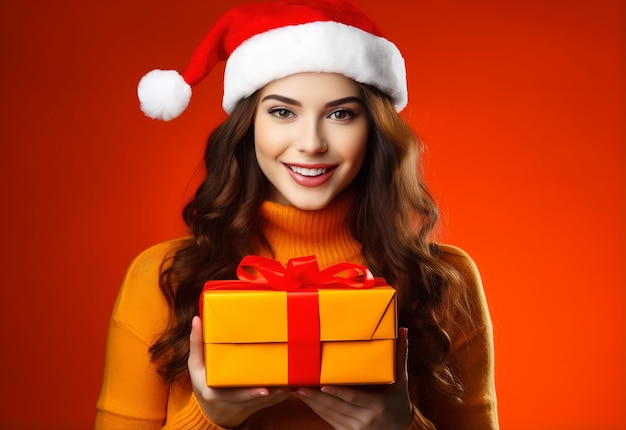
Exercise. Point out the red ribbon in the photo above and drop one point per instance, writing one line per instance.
(301, 279)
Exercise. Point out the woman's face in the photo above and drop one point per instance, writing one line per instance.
(310, 135)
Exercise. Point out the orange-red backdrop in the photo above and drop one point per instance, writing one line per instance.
(521, 104)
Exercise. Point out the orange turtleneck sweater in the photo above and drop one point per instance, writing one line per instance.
(134, 397)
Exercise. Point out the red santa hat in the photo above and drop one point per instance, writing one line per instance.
(264, 42)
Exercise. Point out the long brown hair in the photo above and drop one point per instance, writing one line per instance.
(392, 217)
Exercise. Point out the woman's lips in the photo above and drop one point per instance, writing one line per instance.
(310, 175)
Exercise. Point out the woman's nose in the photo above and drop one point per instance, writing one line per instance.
(312, 138)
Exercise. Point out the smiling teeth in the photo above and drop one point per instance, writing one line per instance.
(307, 172)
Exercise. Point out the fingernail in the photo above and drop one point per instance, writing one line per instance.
(263, 393)
(302, 393)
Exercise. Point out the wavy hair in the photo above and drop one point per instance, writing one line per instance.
(392, 218)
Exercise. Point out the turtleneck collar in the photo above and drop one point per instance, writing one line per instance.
(293, 232)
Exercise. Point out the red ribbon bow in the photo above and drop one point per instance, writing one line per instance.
(301, 279)
(256, 272)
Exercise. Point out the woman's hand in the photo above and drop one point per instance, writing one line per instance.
(350, 408)
(226, 407)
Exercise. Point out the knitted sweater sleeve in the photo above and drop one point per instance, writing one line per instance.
(471, 358)
(133, 395)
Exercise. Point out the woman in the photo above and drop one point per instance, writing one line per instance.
(312, 160)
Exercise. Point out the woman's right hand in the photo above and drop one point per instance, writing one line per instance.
(226, 407)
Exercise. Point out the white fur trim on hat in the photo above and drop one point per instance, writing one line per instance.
(322, 46)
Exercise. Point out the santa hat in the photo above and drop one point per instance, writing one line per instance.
(264, 42)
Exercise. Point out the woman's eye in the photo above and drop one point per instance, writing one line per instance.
(282, 113)
(341, 115)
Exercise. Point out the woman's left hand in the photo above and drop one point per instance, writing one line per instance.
(351, 408)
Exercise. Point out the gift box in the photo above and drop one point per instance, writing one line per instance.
(298, 326)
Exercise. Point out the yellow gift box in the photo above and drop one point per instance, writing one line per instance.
(251, 328)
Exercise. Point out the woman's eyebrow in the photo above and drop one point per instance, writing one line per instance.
(344, 100)
(283, 99)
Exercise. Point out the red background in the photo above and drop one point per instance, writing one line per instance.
(520, 102)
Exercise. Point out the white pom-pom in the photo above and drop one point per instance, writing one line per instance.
(163, 94)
